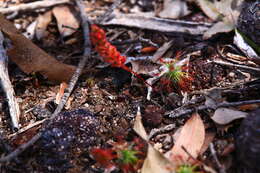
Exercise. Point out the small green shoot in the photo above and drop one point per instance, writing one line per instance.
(128, 156)
(187, 169)
(175, 73)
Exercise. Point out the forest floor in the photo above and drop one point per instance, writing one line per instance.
(197, 105)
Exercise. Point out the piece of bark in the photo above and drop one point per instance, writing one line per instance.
(30, 58)
(32, 6)
(148, 21)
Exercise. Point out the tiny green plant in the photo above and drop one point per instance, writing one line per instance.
(187, 169)
(128, 156)
(176, 77)
(175, 73)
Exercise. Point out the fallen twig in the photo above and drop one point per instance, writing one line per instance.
(7, 86)
(184, 110)
(68, 91)
(32, 6)
(107, 14)
(27, 128)
(82, 63)
(236, 65)
(213, 152)
(161, 130)
(148, 21)
(20, 149)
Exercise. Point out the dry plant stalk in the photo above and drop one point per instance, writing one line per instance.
(32, 6)
(7, 86)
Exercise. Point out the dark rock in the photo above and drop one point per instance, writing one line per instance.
(249, 21)
(248, 144)
(69, 132)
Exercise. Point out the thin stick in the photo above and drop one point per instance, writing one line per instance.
(161, 130)
(32, 6)
(184, 111)
(21, 148)
(214, 154)
(37, 123)
(107, 14)
(7, 86)
(146, 21)
(82, 63)
(68, 91)
(236, 65)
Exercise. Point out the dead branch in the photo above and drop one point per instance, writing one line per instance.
(146, 21)
(7, 86)
(82, 63)
(107, 14)
(236, 65)
(164, 129)
(184, 110)
(32, 6)
(20, 149)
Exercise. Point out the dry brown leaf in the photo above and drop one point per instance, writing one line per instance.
(174, 9)
(209, 9)
(209, 137)
(227, 11)
(224, 116)
(192, 137)
(30, 58)
(67, 22)
(223, 26)
(42, 24)
(143, 66)
(138, 126)
(161, 51)
(155, 161)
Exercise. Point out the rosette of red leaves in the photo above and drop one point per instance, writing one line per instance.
(127, 156)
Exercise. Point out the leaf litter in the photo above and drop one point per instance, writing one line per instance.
(215, 99)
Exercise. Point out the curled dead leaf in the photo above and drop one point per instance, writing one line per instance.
(155, 161)
(174, 9)
(42, 24)
(224, 116)
(67, 22)
(30, 58)
(191, 138)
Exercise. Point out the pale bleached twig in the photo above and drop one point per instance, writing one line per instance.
(108, 12)
(184, 111)
(236, 65)
(32, 6)
(7, 86)
(214, 154)
(148, 21)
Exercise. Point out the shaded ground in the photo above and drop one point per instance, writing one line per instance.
(108, 94)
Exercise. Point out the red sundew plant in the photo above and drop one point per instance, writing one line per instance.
(107, 51)
(176, 78)
(127, 156)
